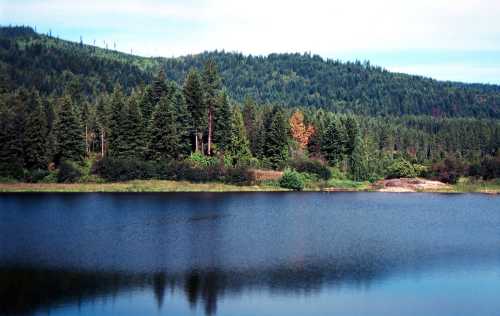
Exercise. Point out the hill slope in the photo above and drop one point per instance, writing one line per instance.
(52, 65)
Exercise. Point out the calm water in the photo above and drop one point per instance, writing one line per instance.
(249, 254)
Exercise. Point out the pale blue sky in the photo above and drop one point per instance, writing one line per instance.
(455, 40)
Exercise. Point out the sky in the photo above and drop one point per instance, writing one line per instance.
(456, 40)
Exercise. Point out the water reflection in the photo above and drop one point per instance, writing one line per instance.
(227, 248)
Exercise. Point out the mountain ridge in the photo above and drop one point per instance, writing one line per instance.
(51, 65)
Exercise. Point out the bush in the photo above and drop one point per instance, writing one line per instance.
(490, 168)
(68, 172)
(292, 180)
(113, 169)
(312, 167)
(401, 168)
(238, 175)
(36, 175)
(448, 171)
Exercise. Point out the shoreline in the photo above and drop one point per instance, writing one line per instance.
(184, 186)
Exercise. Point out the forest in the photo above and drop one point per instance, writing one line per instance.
(68, 107)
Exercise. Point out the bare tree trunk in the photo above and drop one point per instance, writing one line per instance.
(209, 148)
(87, 148)
(196, 142)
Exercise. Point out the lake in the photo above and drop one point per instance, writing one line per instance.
(250, 254)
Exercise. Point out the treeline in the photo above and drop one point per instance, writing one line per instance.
(195, 132)
(52, 66)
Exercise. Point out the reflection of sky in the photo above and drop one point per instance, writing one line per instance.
(437, 292)
(456, 40)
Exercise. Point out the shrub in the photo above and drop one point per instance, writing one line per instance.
(448, 171)
(312, 167)
(113, 169)
(292, 180)
(401, 168)
(68, 172)
(490, 168)
(238, 175)
(36, 175)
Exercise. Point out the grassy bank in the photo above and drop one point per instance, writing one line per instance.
(134, 186)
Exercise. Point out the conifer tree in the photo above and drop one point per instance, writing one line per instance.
(239, 147)
(116, 128)
(211, 86)
(184, 122)
(276, 141)
(351, 132)
(332, 143)
(250, 120)
(102, 124)
(147, 104)
(35, 135)
(193, 94)
(10, 148)
(70, 144)
(159, 87)
(359, 160)
(134, 142)
(164, 138)
(222, 123)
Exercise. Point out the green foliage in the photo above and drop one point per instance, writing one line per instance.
(292, 180)
(164, 138)
(314, 167)
(35, 135)
(70, 144)
(222, 123)
(200, 160)
(276, 139)
(332, 143)
(239, 147)
(401, 168)
(68, 172)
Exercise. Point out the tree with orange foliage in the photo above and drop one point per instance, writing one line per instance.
(300, 133)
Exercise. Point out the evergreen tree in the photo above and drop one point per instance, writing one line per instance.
(250, 120)
(211, 86)
(35, 135)
(351, 132)
(184, 122)
(239, 147)
(147, 104)
(276, 141)
(10, 148)
(359, 160)
(159, 87)
(70, 144)
(116, 128)
(134, 142)
(164, 138)
(102, 124)
(222, 123)
(332, 143)
(193, 94)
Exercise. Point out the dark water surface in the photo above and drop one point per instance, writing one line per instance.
(249, 254)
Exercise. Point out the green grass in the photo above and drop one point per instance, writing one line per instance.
(472, 185)
(347, 184)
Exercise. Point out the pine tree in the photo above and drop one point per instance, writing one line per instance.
(193, 94)
(70, 144)
(134, 138)
(116, 128)
(351, 131)
(211, 86)
(184, 122)
(359, 160)
(164, 138)
(239, 147)
(159, 87)
(250, 119)
(332, 143)
(147, 104)
(276, 141)
(102, 124)
(35, 135)
(10, 148)
(222, 123)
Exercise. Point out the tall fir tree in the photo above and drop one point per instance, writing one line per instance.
(239, 147)
(35, 135)
(116, 123)
(134, 138)
(160, 87)
(184, 122)
(70, 144)
(276, 141)
(250, 120)
(164, 138)
(10, 163)
(359, 160)
(332, 142)
(147, 104)
(193, 94)
(211, 87)
(351, 132)
(222, 123)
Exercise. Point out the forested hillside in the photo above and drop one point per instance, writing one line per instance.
(71, 112)
(52, 65)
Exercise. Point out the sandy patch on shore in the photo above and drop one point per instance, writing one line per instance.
(410, 185)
